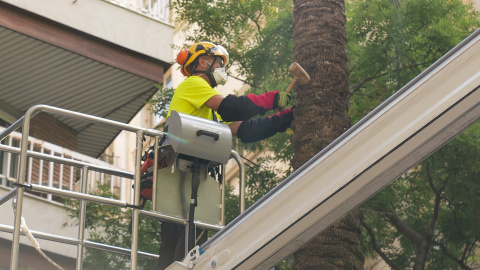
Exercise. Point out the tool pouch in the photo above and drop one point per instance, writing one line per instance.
(146, 175)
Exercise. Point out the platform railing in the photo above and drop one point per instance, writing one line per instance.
(81, 242)
(50, 173)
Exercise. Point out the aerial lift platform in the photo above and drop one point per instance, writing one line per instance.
(191, 148)
(418, 119)
(406, 128)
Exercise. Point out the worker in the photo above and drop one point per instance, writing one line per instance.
(204, 65)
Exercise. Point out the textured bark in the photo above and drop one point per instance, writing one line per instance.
(321, 115)
(338, 247)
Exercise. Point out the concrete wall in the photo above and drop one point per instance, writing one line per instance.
(42, 216)
(109, 22)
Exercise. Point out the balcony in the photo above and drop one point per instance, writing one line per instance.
(155, 9)
(96, 57)
(51, 174)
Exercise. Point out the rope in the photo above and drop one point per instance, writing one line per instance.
(36, 244)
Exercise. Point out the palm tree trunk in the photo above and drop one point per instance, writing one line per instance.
(321, 115)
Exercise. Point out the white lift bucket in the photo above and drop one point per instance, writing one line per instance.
(192, 137)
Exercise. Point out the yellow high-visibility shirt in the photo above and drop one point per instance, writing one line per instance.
(190, 97)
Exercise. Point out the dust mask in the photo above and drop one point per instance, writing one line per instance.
(220, 76)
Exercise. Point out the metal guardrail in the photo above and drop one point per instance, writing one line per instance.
(155, 9)
(81, 243)
(75, 241)
(44, 169)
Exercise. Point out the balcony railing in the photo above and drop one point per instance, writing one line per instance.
(51, 174)
(155, 9)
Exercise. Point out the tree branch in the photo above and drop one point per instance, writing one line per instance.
(404, 229)
(358, 85)
(242, 80)
(468, 249)
(377, 248)
(254, 20)
(438, 193)
(414, 236)
(451, 256)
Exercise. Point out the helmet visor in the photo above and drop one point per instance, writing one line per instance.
(220, 50)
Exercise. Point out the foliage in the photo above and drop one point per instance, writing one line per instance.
(430, 209)
(392, 42)
(109, 224)
(232, 204)
(434, 204)
(261, 177)
(257, 34)
(160, 102)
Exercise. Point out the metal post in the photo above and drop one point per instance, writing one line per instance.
(135, 212)
(30, 166)
(193, 202)
(222, 217)
(187, 236)
(155, 173)
(81, 219)
(60, 179)
(50, 176)
(241, 182)
(9, 160)
(40, 166)
(21, 180)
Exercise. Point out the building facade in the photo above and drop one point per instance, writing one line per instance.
(94, 57)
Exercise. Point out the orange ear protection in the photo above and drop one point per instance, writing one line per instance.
(182, 58)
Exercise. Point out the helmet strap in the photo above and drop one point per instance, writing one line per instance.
(208, 72)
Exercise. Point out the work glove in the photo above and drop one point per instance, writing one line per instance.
(234, 108)
(257, 129)
(286, 117)
(281, 100)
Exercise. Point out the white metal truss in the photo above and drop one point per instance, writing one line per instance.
(422, 116)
